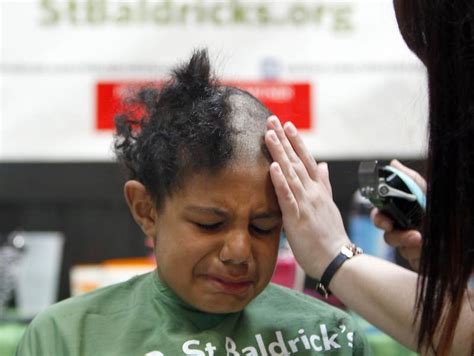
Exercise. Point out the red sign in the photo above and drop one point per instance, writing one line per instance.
(289, 101)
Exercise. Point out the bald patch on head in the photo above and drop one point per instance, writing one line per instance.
(248, 118)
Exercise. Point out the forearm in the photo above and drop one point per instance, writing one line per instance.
(381, 292)
(385, 295)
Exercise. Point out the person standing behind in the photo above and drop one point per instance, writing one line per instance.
(429, 312)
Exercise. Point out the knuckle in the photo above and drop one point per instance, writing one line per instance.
(288, 196)
(293, 175)
(299, 167)
(389, 238)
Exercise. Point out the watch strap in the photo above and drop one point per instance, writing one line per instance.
(346, 252)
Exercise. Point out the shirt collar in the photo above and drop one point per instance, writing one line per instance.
(201, 320)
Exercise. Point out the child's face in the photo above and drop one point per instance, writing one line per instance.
(217, 238)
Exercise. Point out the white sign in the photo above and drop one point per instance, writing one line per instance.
(368, 91)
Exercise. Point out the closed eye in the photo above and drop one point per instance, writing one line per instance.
(209, 227)
(261, 231)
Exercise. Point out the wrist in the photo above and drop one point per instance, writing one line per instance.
(346, 252)
(325, 255)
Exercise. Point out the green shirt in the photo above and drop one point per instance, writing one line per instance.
(143, 317)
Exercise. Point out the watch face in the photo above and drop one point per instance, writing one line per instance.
(347, 252)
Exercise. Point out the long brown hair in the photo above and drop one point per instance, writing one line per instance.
(441, 33)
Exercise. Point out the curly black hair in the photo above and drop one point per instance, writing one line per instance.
(192, 124)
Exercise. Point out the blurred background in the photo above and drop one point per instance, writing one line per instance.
(338, 69)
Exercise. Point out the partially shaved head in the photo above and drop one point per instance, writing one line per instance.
(247, 118)
(192, 124)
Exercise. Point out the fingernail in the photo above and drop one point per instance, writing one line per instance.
(275, 121)
(273, 136)
(276, 167)
(395, 162)
(324, 166)
(290, 128)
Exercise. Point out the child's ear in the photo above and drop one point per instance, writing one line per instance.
(141, 206)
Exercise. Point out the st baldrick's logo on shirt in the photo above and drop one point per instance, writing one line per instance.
(277, 346)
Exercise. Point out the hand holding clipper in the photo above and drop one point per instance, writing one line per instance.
(394, 193)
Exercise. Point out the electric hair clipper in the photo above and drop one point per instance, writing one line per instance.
(394, 193)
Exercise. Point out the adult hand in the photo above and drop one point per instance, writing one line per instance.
(312, 222)
(408, 242)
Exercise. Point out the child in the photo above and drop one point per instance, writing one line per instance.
(199, 187)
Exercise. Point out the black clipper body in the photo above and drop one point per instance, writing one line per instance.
(393, 193)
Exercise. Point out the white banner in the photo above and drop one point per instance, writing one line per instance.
(368, 97)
